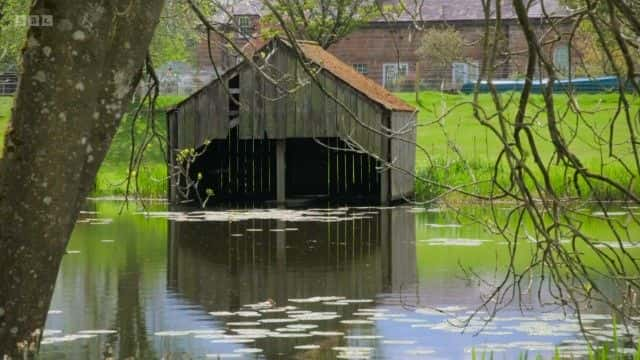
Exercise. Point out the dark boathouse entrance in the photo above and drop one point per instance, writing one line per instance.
(282, 138)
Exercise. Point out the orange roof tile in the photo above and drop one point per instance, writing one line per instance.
(349, 75)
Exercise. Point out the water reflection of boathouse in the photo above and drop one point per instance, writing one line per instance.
(223, 265)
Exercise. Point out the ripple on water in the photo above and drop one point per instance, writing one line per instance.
(315, 316)
(420, 352)
(248, 314)
(274, 310)
(51, 332)
(248, 351)
(335, 303)
(357, 322)
(224, 356)
(98, 332)
(326, 333)
(398, 342)
(358, 301)
(443, 225)
(288, 330)
(353, 356)
(541, 328)
(302, 326)
(198, 332)
(65, 338)
(278, 320)
(363, 337)
(291, 335)
(317, 299)
(221, 313)
(453, 242)
(233, 341)
(243, 323)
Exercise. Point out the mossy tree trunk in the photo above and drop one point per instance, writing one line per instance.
(77, 79)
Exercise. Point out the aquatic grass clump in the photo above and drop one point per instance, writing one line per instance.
(480, 176)
(152, 182)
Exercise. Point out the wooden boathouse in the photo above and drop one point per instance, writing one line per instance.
(281, 137)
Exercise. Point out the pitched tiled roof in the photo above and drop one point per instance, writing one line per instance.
(238, 7)
(430, 10)
(469, 10)
(367, 87)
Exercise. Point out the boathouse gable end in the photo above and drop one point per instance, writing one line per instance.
(243, 107)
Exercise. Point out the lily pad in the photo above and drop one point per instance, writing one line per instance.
(243, 323)
(221, 313)
(327, 333)
(357, 322)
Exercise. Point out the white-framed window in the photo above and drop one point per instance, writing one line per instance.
(561, 58)
(244, 24)
(464, 72)
(361, 68)
(392, 72)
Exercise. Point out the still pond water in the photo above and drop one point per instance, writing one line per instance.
(354, 283)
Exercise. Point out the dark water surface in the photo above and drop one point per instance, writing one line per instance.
(355, 284)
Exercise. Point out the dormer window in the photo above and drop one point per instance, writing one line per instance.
(244, 24)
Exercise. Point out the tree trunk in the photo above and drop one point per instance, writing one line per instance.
(77, 80)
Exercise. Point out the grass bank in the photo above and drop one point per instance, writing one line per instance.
(152, 179)
(5, 112)
(463, 151)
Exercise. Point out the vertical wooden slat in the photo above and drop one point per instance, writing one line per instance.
(281, 170)
(272, 168)
(317, 109)
(291, 99)
(246, 102)
(203, 117)
(269, 109)
(281, 103)
(384, 154)
(330, 107)
(342, 173)
(298, 128)
(307, 117)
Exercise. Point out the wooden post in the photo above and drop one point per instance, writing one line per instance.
(385, 175)
(281, 171)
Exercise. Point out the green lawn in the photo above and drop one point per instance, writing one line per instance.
(5, 111)
(477, 144)
(479, 148)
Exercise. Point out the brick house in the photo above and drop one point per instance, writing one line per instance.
(386, 49)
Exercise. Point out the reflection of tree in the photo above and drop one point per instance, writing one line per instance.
(130, 316)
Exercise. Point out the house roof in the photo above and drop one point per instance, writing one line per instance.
(238, 7)
(430, 10)
(367, 87)
(468, 10)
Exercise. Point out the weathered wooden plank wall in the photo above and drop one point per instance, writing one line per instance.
(403, 154)
(267, 110)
